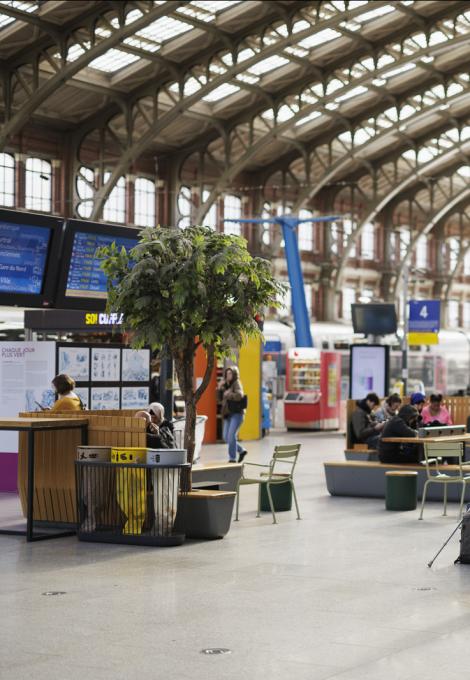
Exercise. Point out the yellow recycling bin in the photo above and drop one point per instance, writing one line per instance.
(131, 487)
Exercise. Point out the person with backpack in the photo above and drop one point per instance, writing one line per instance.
(401, 425)
(234, 403)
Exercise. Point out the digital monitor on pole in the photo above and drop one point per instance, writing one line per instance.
(83, 284)
(29, 255)
(374, 319)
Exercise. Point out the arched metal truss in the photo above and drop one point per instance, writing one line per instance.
(325, 95)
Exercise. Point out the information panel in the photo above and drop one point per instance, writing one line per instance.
(368, 370)
(23, 257)
(85, 276)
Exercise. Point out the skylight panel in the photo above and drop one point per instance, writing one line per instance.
(464, 171)
(320, 38)
(221, 92)
(355, 92)
(401, 69)
(196, 12)
(29, 7)
(249, 78)
(362, 136)
(215, 6)
(191, 86)
(375, 13)
(310, 117)
(164, 29)
(113, 60)
(437, 37)
(268, 64)
(141, 44)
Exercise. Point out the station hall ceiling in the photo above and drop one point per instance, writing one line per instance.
(327, 92)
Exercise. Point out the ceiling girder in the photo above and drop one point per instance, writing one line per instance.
(15, 123)
(417, 173)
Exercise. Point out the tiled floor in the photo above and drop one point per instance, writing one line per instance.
(344, 593)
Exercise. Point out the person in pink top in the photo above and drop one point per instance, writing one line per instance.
(435, 413)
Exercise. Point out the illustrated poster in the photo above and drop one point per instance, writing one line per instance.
(105, 364)
(104, 398)
(135, 365)
(75, 362)
(134, 397)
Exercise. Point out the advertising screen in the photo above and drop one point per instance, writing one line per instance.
(85, 278)
(23, 256)
(369, 368)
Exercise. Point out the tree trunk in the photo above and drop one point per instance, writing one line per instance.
(184, 364)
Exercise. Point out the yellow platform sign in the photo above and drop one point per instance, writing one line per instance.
(423, 338)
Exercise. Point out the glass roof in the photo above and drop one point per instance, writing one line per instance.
(5, 20)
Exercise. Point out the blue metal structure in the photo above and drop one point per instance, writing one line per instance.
(289, 225)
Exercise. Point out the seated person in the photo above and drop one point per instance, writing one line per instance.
(389, 408)
(67, 400)
(159, 431)
(435, 414)
(401, 425)
(363, 427)
(418, 400)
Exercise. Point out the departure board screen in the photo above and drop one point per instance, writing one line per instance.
(85, 277)
(23, 257)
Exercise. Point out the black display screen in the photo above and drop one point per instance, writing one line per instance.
(374, 319)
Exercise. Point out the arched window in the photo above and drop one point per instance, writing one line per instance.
(454, 247)
(305, 233)
(115, 207)
(349, 297)
(232, 211)
(144, 202)
(422, 252)
(348, 228)
(267, 226)
(7, 179)
(453, 313)
(38, 194)
(368, 242)
(210, 218)
(86, 191)
(184, 207)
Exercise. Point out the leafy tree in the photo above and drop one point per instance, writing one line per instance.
(184, 288)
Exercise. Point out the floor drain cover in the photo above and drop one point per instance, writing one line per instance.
(216, 650)
(55, 592)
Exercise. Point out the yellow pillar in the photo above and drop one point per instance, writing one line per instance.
(249, 363)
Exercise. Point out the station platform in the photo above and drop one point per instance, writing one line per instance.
(344, 593)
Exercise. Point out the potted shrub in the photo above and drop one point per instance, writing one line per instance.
(181, 289)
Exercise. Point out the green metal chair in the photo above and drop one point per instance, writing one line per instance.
(280, 470)
(436, 473)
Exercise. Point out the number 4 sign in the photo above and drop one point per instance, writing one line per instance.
(424, 316)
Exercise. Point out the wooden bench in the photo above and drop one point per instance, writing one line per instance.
(366, 479)
(55, 455)
(227, 473)
(361, 454)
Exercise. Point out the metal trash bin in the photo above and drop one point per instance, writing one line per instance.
(401, 490)
(142, 508)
